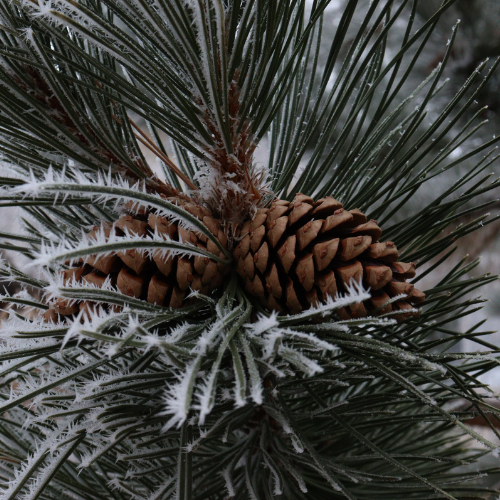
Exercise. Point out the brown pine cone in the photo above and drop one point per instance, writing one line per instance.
(290, 256)
(155, 278)
(294, 255)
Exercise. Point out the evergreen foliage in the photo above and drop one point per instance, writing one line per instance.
(221, 399)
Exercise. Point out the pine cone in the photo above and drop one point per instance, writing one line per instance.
(294, 255)
(156, 278)
(290, 256)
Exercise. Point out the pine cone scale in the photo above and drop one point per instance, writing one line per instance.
(296, 254)
(157, 277)
(290, 256)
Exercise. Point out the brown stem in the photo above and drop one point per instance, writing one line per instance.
(152, 147)
(146, 141)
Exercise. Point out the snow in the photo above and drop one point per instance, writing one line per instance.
(177, 397)
(101, 188)
(262, 324)
(226, 474)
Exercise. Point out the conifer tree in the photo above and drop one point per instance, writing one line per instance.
(204, 326)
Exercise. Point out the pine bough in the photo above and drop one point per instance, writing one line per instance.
(220, 399)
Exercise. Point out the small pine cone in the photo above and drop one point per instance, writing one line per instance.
(294, 255)
(157, 278)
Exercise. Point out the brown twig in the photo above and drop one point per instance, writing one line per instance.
(146, 141)
(170, 164)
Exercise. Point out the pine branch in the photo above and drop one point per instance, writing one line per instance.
(215, 395)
